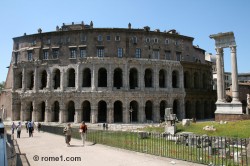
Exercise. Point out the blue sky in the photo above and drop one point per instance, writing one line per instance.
(194, 18)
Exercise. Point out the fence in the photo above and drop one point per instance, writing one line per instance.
(193, 148)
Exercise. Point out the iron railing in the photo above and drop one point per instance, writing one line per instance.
(199, 149)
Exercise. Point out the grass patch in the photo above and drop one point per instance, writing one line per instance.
(237, 129)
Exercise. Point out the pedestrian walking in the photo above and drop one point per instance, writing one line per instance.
(26, 126)
(13, 127)
(67, 132)
(19, 129)
(30, 128)
(39, 126)
(83, 131)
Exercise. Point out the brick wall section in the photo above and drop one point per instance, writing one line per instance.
(230, 117)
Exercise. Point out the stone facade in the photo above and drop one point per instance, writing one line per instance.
(111, 75)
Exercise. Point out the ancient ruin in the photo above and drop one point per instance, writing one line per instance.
(225, 110)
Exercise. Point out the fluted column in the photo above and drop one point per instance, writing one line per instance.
(220, 77)
(235, 86)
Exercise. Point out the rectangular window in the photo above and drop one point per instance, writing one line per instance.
(120, 53)
(100, 52)
(138, 53)
(82, 52)
(99, 38)
(117, 38)
(73, 53)
(178, 56)
(167, 55)
(45, 54)
(156, 54)
(83, 38)
(30, 56)
(55, 53)
(108, 38)
(134, 39)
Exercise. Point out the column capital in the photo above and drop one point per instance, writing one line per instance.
(233, 48)
(219, 50)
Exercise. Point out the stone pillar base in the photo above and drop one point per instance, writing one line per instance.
(228, 108)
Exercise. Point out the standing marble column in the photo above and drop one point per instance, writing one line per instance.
(220, 77)
(235, 87)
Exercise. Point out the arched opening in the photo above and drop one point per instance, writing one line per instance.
(56, 78)
(18, 80)
(42, 112)
(162, 78)
(188, 110)
(43, 79)
(117, 78)
(118, 111)
(71, 111)
(148, 78)
(213, 108)
(176, 108)
(149, 110)
(196, 80)
(102, 111)
(102, 77)
(133, 111)
(86, 78)
(133, 78)
(163, 106)
(71, 77)
(206, 110)
(30, 111)
(17, 111)
(30, 80)
(175, 79)
(198, 110)
(56, 110)
(86, 111)
(186, 80)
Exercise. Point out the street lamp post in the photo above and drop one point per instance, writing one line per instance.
(131, 111)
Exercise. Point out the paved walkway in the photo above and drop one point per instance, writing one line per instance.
(45, 146)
